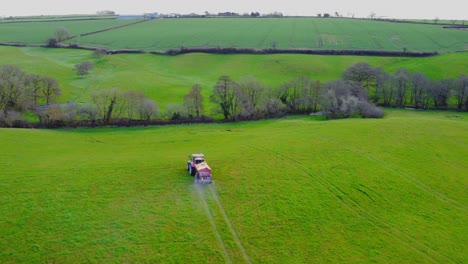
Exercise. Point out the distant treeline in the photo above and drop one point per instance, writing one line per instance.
(28, 100)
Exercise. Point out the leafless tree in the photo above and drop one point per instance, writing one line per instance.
(83, 68)
(439, 92)
(148, 109)
(361, 72)
(50, 90)
(461, 92)
(384, 88)
(419, 90)
(402, 84)
(109, 103)
(12, 89)
(61, 34)
(249, 93)
(176, 111)
(224, 96)
(193, 101)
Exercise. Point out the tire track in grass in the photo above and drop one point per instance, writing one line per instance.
(227, 258)
(376, 40)
(362, 213)
(229, 224)
(421, 185)
(319, 37)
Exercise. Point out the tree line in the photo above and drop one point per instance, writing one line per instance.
(31, 100)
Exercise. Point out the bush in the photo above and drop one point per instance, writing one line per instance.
(368, 110)
(52, 42)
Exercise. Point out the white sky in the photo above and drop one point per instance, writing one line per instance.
(429, 9)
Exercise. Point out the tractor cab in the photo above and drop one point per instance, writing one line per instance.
(197, 158)
(198, 167)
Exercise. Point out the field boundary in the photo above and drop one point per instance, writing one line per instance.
(231, 51)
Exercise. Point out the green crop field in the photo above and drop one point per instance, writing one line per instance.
(314, 33)
(39, 32)
(287, 33)
(54, 18)
(166, 79)
(292, 190)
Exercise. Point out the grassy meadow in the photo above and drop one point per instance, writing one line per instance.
(166, 79)
(291, 190)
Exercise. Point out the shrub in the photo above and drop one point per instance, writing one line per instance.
(368, 110)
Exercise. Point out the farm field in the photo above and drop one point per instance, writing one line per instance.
(38, 32)
(295, 190)
(166, 79)
(286, 33)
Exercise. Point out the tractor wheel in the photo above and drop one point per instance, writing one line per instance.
(189, 168)
(192, 171)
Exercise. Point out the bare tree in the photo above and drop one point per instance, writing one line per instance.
(12, 89)
(193, 101)
(110, 104)
(249, 92)
(384, 86)
(83, 68)
(402, 83)
(99, 53)
(148, 110)
(419, 90)
(461, 93)
(361, 72)
(176, 111)
(439, 92)
(50, 90)
(61, 34)
(224, 96)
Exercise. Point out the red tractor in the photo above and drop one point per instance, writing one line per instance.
(198, 168)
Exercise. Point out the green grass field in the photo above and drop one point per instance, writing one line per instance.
(166, 79)
(292, 190)
(298, 33)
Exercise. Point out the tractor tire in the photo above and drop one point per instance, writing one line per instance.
(192, 171)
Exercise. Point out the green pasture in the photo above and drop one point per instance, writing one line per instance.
(312, 33)
(291, 190)
(38, 32)
(166, 79)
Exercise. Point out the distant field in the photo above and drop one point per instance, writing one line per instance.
(286, 33)
(293, 190)
(38, 33)
(52, 18)
(166, 79)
